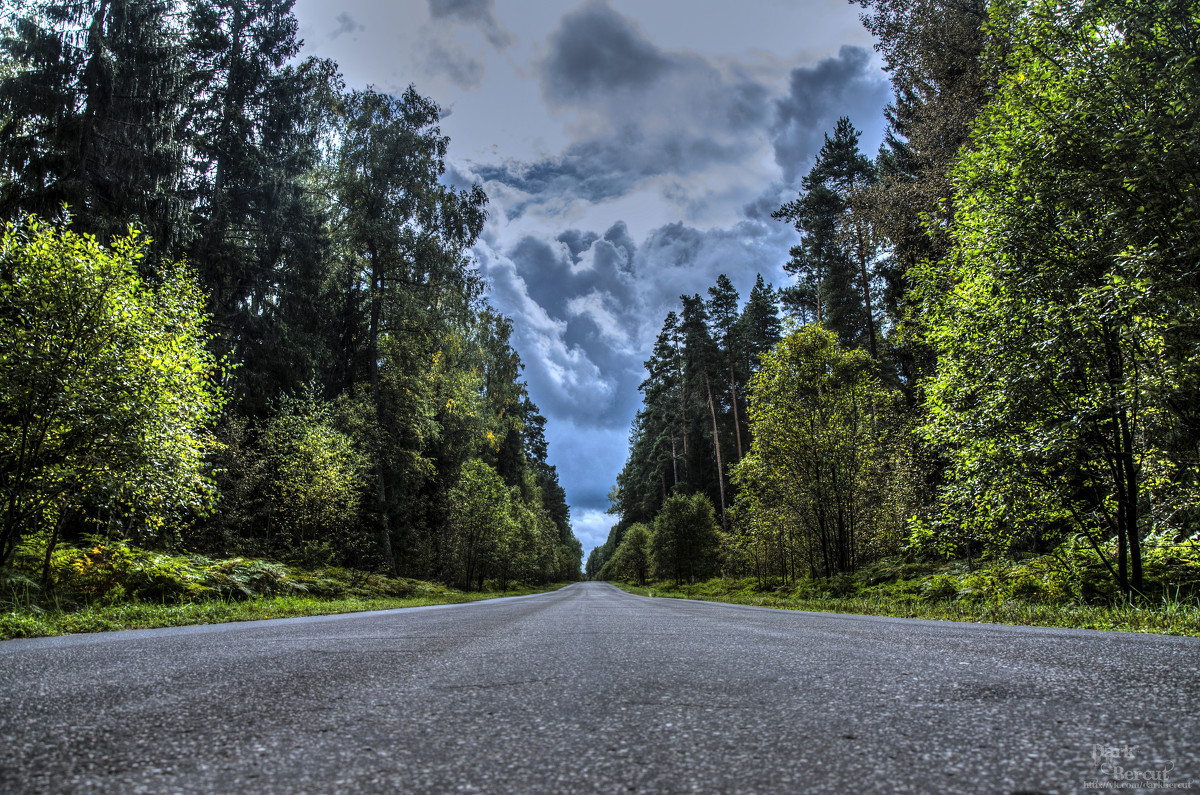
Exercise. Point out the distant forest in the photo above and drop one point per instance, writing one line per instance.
(990, 342)
(237, 310)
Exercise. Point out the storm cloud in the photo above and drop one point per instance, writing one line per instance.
(629, 158)
(596, 51)
(587, 306)
(692, 130)
(817, 96)
(479, 13)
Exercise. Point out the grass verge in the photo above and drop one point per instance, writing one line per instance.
(109, 585)
(32, 622)
(1170, 618)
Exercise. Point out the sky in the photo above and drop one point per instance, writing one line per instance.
(631, 150)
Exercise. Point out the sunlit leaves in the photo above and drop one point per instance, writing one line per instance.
(1063, 317)
(105, 382)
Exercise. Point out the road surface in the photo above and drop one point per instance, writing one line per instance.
(589, 689)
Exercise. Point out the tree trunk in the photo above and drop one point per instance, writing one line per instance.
(737, 422)
(712, 410)
(862, 264)
(381, 501)
(62, 517)
(1130, 487)
(1119, 483)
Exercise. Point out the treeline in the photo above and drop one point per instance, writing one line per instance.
(294, 356)
(991, 333)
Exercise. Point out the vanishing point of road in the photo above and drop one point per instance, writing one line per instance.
(590, 689)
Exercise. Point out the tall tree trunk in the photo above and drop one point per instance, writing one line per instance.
(683, 415)
(862, 265)
(381, 498)
(737, 421)
(712, 410)
(1130, 487)
(53, 543)
(1119, 482)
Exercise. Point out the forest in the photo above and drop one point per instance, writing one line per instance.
(239, 315)
(986, 352)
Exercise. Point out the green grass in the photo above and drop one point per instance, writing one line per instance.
(1007, 593)
(32, 622)
(103, 586)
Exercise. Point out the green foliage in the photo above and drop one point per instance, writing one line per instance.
(315, 478)
(1066, 588)
(814, 492)
(834, 260)
(332, 254)
(632, 560)
(106, 385)
(1063, 319)
(94, 111)
(108, 585)
(481, 518)
(683, 545)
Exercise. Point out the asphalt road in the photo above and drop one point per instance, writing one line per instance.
(590, 689)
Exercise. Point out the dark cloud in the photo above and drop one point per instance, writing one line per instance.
(605, 168)
(588, 303)
(587, 306)
(577, 242)
(455, 64)
(463, 9)
(596, 50)
(346, 24)
(479, 13)
(817, 96)
(654, 117)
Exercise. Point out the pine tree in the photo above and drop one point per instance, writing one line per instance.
(259, 237)
(835, 260)
(701, 362)
(844, 170)
(723, 312)
(95, 118)
(403, 239)
(932, 50)
(760, 328)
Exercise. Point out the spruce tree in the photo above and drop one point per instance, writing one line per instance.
(701, 364)
(259, 238)
(95, 118)
(723, 314)
(759, 324)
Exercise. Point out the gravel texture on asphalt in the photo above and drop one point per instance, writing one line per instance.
(590, 689)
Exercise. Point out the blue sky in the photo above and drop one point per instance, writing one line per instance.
(631, 151)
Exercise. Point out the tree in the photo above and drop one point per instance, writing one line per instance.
(631, 561)
(760, 328)
(106, 386)
(809, 470)
(685, 541)
(96, 116)
(409, 289)
(723, 312)
(313, 483)
(817, 259)
(838, 244)
(700, 364)
(258, 231)
(1065, 316)
(933, 51)
(481, 519)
